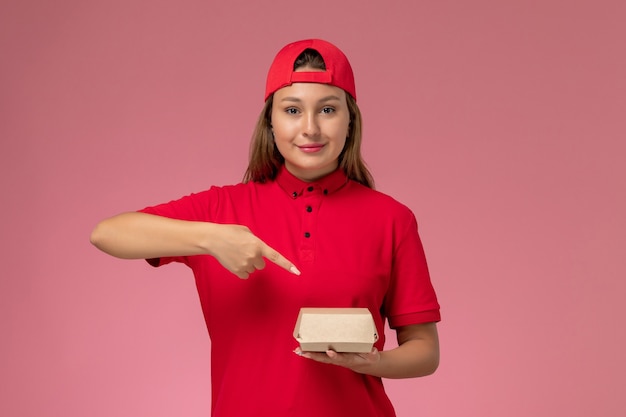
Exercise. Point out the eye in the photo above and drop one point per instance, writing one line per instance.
(328, 110)
(291, 110)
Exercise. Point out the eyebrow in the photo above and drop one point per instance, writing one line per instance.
(322, 100)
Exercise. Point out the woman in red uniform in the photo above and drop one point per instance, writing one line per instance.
(304, 229)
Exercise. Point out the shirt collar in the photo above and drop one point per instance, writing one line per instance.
(295, 186)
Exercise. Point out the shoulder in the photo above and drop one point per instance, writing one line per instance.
(200, 201)
(231, 190)
(232, 196)
(379, 211)
(377, 200)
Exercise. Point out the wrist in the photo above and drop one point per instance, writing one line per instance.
(207, 237)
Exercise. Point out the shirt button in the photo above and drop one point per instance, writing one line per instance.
(294, 194)
(325, 192)
(307, 234)
(309, 209)
(310, 189)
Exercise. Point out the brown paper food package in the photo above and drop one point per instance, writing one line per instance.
(338, 329)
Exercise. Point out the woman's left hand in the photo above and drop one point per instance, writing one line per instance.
(358, 362)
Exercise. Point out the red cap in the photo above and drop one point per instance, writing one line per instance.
(338, 70)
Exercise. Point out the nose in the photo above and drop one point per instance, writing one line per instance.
(310, 126)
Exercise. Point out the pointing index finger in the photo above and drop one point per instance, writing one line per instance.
(279, 260)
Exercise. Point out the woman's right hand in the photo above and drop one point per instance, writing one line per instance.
(241, 252)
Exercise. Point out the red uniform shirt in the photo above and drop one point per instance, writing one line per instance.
(355, 247)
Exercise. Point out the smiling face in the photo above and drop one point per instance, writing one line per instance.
(310, 123)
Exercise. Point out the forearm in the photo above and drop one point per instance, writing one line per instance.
(136, 235)
(417, 354)
(414, 358)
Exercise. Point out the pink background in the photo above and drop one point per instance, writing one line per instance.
(501, 124)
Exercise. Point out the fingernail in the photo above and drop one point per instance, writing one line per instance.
(297, 351)
(294, 270)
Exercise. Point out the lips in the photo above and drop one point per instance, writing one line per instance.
(311, 148)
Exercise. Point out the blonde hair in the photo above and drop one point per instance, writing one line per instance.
(266, 160)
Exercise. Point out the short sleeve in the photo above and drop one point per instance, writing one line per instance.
(194, 207)
(411, 298)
